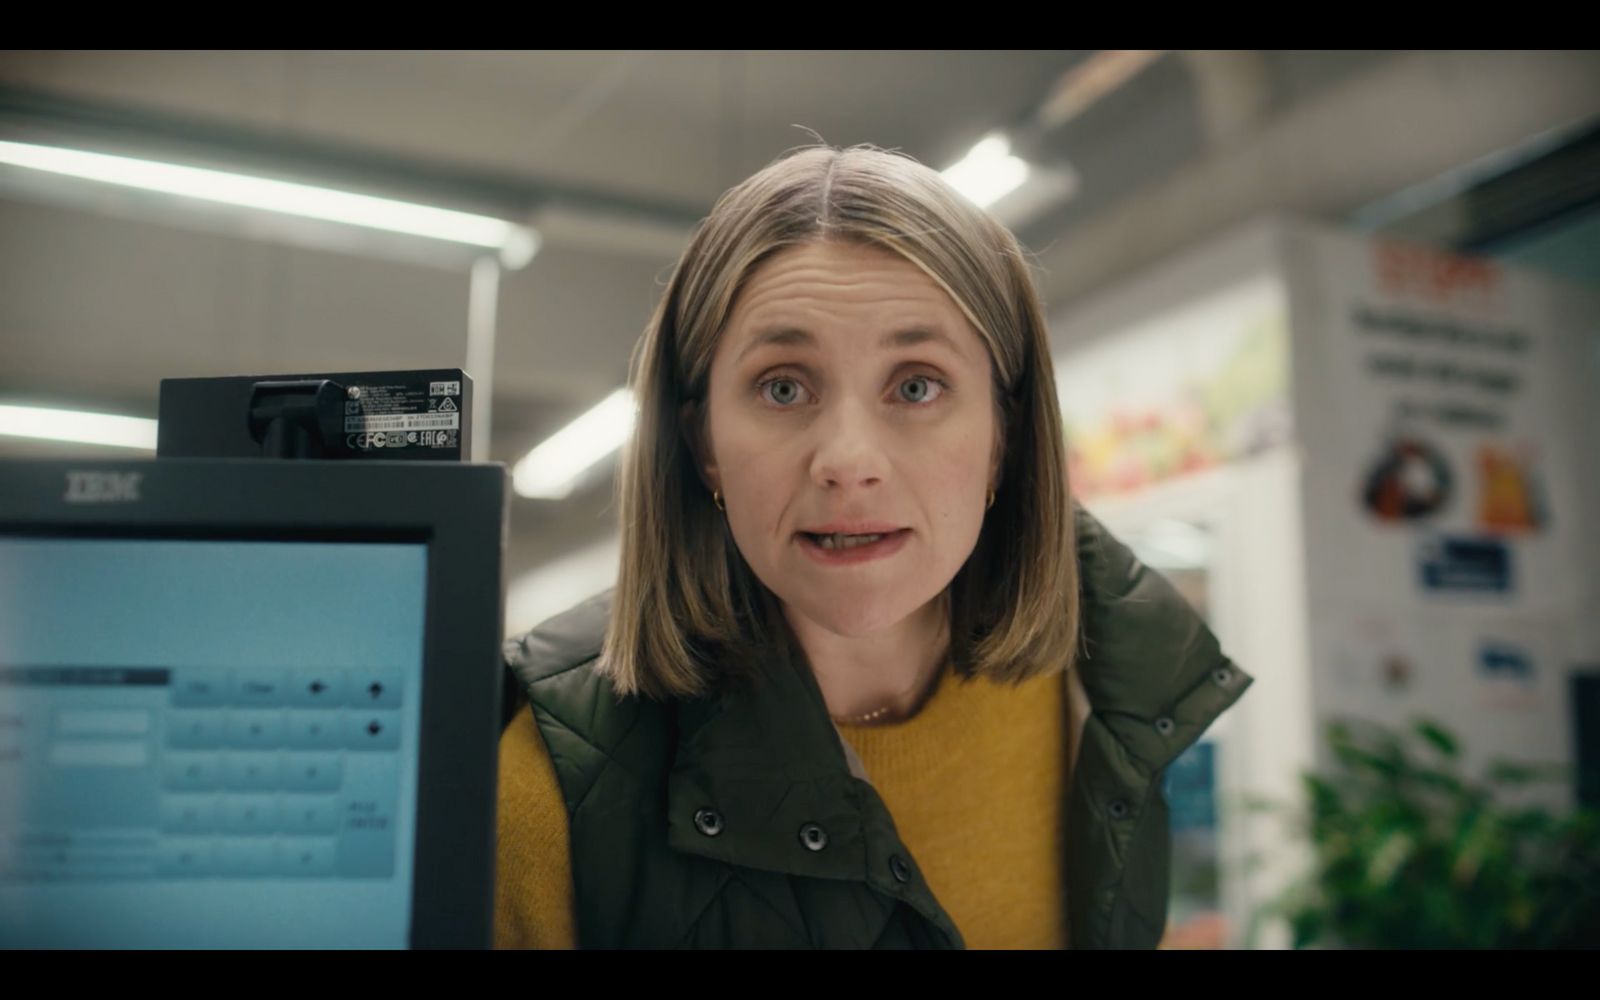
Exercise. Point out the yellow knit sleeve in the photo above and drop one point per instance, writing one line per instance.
(533, 900)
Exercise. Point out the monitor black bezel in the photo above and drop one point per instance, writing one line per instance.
(457, 509)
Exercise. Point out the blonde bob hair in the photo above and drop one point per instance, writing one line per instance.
(688, 614)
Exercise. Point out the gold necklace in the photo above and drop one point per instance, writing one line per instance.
(857, 720)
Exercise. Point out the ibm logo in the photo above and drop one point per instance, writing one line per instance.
(103, 487)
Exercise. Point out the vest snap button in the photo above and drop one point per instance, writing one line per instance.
(1222, 675)
(1165, 726)
(900, 868)
(708, 822)
(1118, 809)
(813, 836)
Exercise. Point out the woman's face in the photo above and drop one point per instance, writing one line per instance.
(852, 432)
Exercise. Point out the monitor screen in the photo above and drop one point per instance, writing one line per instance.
(208, 743)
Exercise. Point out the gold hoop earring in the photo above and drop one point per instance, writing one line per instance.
(990, 502)
(716, 498)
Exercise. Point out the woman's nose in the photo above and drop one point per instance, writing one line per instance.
(848, 450)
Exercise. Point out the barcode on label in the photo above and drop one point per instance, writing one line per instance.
(404, 422)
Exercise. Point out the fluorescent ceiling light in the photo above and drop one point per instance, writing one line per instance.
(75, 425)
(518, 243)
(989, 172)
(551, 470)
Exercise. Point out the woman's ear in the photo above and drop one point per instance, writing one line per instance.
(692, 424)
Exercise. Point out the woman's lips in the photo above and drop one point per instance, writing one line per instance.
(891, 542)
(853, 528)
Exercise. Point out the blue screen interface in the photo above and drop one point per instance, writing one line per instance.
(208, 743)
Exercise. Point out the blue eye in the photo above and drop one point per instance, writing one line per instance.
(781, 391)
(920, 389)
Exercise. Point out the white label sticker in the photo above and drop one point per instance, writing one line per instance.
(444, 388)
(404, 422)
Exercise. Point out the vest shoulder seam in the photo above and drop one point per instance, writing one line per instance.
(586, 660)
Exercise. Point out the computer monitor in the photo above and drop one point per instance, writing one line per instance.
(249, 704)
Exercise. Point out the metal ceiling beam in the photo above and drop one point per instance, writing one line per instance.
(1408, 119)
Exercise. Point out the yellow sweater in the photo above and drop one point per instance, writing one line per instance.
(975, 781)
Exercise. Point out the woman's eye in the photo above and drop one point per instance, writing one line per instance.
(920, 389)
(782, 391)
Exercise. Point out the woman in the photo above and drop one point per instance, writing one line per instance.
(842, 694)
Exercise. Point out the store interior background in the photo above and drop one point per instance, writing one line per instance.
(1138, 160)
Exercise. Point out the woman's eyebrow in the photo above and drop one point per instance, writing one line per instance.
(783, 336)
(920, 335)
(789, 336)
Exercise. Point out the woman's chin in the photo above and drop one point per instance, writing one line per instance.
(851, 619)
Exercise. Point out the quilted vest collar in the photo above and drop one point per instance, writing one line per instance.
(754, 767)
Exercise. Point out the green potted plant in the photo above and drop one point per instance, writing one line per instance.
(1411, 854)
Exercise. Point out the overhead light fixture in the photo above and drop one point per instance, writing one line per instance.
(988, 172)
(516, 243)
(78, 426)
(551, 470)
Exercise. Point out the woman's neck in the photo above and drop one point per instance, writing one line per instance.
(891, 670)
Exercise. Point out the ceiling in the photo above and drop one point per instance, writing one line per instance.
(614, 156)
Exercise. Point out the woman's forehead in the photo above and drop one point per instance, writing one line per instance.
(872, 284)
(849, 272)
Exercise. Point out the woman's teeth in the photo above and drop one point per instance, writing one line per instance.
(845, 541)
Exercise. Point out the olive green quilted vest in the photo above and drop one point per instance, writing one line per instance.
(735, 822)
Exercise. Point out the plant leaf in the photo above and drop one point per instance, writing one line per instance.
(1437, 735)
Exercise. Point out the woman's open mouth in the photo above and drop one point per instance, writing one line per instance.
(837, 549)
